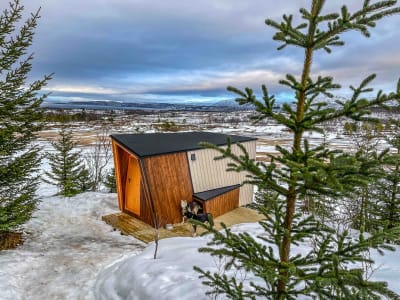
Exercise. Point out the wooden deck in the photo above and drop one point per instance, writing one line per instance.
(130, 226)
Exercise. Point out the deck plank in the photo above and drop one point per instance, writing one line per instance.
(129, 225)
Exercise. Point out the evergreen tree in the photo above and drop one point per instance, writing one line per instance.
(361, 203)
(68, 170)
(327, 271)
(20, 118)
(110, 182)
(386, 208)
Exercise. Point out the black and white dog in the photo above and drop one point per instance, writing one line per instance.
(193, 210)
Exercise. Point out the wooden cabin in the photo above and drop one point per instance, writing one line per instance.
(155, 171)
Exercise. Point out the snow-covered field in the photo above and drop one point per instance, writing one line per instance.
(66, 246)
(171, 275)
(69, 253)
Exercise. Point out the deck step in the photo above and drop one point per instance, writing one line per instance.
(131, 226)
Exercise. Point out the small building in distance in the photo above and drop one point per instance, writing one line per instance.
(155, 171)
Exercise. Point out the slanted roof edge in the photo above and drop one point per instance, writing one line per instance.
(210, 194)
(126, 148)
(129, 149)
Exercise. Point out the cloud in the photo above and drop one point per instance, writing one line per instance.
(80, 89)
(129, 48)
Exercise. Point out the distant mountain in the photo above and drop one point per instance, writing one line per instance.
(226, 105)
(232, 103)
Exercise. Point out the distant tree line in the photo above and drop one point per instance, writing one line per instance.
(61, 116)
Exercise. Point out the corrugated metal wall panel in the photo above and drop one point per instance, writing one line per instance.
(208, 174)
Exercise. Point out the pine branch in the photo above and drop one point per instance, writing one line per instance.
(361, 20)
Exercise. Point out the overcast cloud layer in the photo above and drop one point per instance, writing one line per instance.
(180, 50)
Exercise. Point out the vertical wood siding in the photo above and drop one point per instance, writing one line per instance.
(145, 206)
(208, 174)
(221, 204)
(169, 182)
(121, 159)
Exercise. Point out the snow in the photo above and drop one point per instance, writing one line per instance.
(171, 275)
(168, 277)
(66, 245)
(70, 253)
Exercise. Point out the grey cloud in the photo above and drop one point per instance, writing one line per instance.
(120, 44)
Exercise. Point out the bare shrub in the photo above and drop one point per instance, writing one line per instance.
(99, 157)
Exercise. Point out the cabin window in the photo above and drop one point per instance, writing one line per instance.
(193, 156)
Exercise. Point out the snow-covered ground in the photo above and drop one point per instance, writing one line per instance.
(66, 246)
(69, 253)
(171, 275)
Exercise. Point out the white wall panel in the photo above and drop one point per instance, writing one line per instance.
(208, 174)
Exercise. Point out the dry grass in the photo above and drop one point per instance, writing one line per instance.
(83, 138)
(10, 240)
(273, 142)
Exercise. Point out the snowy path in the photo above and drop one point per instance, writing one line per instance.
(66, 247)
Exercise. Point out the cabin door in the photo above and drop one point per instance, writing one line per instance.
(132, 192)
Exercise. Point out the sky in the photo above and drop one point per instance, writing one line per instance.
(190, 51)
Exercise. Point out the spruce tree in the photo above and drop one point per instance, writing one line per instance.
(327, 271)
(362, 201)
(110, 181)
(20, 118)
(385, 209)
(68, 170)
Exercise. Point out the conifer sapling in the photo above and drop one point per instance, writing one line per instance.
(68, 170)
(331, 267)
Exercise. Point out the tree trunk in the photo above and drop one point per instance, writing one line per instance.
(292, 195)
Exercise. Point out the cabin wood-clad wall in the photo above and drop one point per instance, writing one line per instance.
(208, 174)
(221, 204)
(168, 177)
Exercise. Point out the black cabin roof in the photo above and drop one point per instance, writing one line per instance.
(150, 144)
